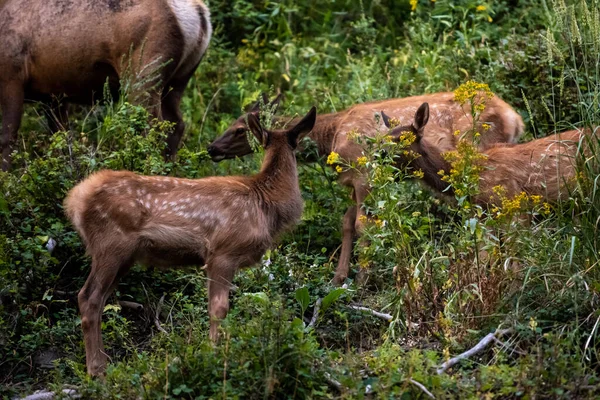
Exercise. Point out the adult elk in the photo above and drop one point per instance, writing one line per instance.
(543, 167)
(52, 48)
(226, 223)
(331, 133)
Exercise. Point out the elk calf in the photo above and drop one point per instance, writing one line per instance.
(543, 167)
(73, 48)
(226, 223)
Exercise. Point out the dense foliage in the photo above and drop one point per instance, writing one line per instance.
(447, 273)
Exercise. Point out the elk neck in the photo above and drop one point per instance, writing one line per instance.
(431, 162)
(326, 126)
(277, 188)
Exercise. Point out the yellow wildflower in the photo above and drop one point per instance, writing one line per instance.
(457, 132)
(490, 19)
(469, 90)
(486, 127)
(481, 8)
(339, 169)
(333, 158)
(416, 214)
(413, 4)
(362, 219)
(536, 199)
(547, 209)
(379, 223)
(418, 174)
(477, 134)
(361, 161)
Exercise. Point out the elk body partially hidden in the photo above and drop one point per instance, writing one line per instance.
(543, 167)
(331, 133)
(226, 223)
(55, 48)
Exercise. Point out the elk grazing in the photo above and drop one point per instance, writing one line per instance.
(226, 223)
(331, 133)
(73, 48)
(542, 167)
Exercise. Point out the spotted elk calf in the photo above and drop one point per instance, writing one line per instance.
(543, 167)
(226, 223)
(332, 132)
(56, 48)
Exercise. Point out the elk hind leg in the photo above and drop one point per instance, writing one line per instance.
(92, 297)
(220, 275)
(12, 97)
(348, 236)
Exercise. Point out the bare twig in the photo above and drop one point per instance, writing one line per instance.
(423, 388)
(316, 310)
(332, 382)
(387, 317)
(508, 348)
(47, 395)
(483, 343)
(157, 314)
(132, 305)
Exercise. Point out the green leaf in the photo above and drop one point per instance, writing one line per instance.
(303, 298)
(331, 298)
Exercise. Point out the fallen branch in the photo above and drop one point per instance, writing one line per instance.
(332, 382)
(423, 388)
(316, 310)
(387, 317)
(157, 314)
(483, 343)
(47, 395)
(132, 305)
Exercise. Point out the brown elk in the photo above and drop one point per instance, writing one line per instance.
(226, 223)
(73, 48)
(331, 133)
(543, 167)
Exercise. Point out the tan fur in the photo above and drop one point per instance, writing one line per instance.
(55, 48)
(332, 130)
(226, 223)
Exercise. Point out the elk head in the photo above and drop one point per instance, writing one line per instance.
(234, 141)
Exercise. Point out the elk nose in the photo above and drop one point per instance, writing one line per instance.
(211, 149)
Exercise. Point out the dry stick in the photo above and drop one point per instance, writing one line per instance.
(47, 395)
(156, 315)
(316, 310)
(423, 388)
(483, 343)
(132, 305)
(387, 317)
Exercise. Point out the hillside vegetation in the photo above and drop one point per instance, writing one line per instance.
(447, 273)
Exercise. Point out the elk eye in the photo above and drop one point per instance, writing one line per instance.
(240, 131)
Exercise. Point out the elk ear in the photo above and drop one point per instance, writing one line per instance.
(421, 119)
(257, 130)
(302, 128)
(256, 106)
(274, 105)
(386, 119)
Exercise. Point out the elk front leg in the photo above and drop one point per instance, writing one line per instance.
(92, 297)
(11, 103)
(361, 191)
(220, 275)
(171, 112)
(348, 236)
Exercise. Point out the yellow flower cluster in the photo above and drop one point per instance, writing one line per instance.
(361, 161)
(418, 174)
(413, 4)
(469, 90)
(466, 165)
(406, 138)
(481, 8)
(486, 127)
(520, 203)
(333, 158)
(339, 169)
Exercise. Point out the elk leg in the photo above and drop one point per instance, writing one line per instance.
(348, 236)
(11, 101)
(171, 112)
(220, 276)
(92, 297)
(361, 191)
